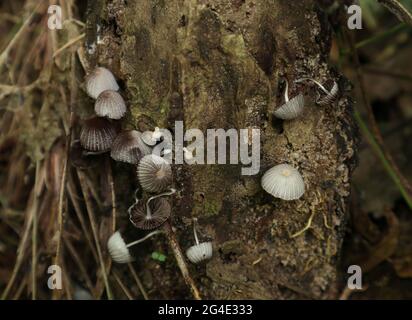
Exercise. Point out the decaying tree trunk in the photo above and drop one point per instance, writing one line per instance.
(221, 64)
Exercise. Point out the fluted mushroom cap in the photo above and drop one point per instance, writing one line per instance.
(330, 96)
(99, 80)
(200, 252)
(291, 109)
(160, 211)
(284, 182)
(97, 134)
(129, 147)
(118, 249)
(154, 173)
(110, 104)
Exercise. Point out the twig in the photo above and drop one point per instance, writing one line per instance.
(5, 53)
(93, 224)
(398, 10)
(174, 244)
(307, 226)
(20, 251)
(138, 282)
(34, 233)
(78, 211)
(122, 286)
(79, 263)
(68, 44)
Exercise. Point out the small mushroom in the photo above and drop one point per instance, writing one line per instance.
(188, 154)
(154, 173)
(129, 147)
(292, 108)
(99, 80)
(152, 214)
(97, 134)
(152, 137)
(110, 104)
(330, 96)
(283, 181)
(201, 250)
(119, 250)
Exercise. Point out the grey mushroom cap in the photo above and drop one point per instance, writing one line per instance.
(291, 109)
(128, 147)
(97, 134)
(160, 211)
(330, 96)
(110, 104)
(99, 80)
(154, 173)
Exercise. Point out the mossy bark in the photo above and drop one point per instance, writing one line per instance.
(220, 64)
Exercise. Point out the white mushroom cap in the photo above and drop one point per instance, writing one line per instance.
(118, 249)
(110, 104)
(200, 252)
(291, 109)
(99, 80)
(284, 182)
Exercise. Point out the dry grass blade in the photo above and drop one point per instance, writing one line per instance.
(90, 212)
(138, 282)
(398, 10)
(122, 286)
(5, 53)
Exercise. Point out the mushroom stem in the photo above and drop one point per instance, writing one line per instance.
(194, 231)
(151, 234)
(167, 193)
(314, 81)
(174, 244)
(287, 91)
(136, 200)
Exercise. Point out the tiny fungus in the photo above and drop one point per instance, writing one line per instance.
(201, 250)
(129, 147)
(119, 250)
(187, 154)
(154, 173)
(152, 214)
(330, 95)
(283, 181)
(99, 80)
(292, 108)
(110, 104)
(97, 134)
(152, 137)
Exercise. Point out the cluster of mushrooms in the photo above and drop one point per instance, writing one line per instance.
(283, 181)
(99, 134)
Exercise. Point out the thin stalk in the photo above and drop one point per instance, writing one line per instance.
(314, 81)
(167, 193)
(151, 234)
(194, 231)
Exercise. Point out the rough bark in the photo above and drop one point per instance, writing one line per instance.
(220, 64)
